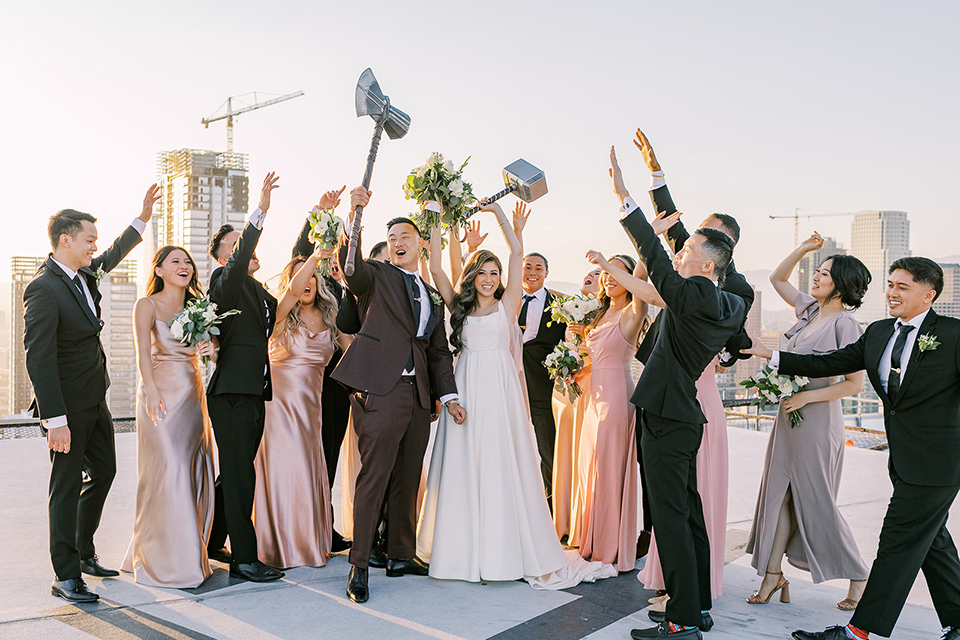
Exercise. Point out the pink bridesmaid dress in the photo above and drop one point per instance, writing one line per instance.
(712, 479)
(291, 510)
(606, 502)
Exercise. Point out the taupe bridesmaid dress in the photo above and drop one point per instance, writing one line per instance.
(174, 472)
(291, 511)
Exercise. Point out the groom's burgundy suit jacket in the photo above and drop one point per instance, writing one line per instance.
(376, 358)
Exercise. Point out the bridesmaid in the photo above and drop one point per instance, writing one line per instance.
(291, 511)
(797, 512)
(174, 452)
(607, 457)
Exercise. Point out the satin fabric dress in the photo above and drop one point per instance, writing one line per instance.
(568, 417)
(485, 515)
(712, 482)
(607, 459)
(809, 460)
(174, 472)
(291, 511)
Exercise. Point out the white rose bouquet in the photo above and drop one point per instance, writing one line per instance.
(563, 363)
(197, 322)
(575, 309)
(439, 188)
(772, 388)
(325, 233)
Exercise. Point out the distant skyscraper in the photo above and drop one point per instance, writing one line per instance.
(878, 238)
(199, 192)
(948, 304)
(119, 291)
(811, 262)
(22, 270)
(743, 369)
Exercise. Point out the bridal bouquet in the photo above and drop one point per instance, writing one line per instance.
(439, 188)
(325, 233)
(772, 388)
(576, 309)
(564, 362)
(197, 322)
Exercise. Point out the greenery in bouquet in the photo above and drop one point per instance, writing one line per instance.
(440, 181)
(563, 363)
(325, 233)
(772, 388)
(197, 322)
(575, 309)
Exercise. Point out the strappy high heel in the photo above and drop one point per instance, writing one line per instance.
(783, 586)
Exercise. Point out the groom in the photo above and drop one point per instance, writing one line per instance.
(698, 319)
(913, 362)
(397, 363)
(68, 370)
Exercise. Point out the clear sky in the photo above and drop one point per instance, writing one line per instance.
(754, 108)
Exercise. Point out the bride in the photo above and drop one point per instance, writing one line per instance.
(485, 515)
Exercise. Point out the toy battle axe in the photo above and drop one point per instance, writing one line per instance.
(521, 178)
(371, 102)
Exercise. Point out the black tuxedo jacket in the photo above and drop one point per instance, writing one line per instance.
(734, 282)
(698, 320)
(376, 358)
(923, 423)
(65, 360)
(539, 385)
(242, 358)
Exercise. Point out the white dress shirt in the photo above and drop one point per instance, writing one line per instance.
(534, 313)
(884, 371)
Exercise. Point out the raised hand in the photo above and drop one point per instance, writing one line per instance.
(322, 254)
(616, 175)
(757, 348)
(473, 237)
(663, 221)
(331, 199)
(647, 150)
(150, 199)
(520, 216)
(359, 197)
(814, 242)
(269, 184)
(595, 257)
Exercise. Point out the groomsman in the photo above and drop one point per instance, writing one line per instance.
(539, 340)
(68, 370)
(913, 362)
(698, 319)
(239, 387)
(398, 362)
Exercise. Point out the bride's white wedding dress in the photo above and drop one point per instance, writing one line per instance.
(485, 516)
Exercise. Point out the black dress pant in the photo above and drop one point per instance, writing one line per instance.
(644, 493)
(913, 538)
(237, 421)
(335, 407)
(670, 459)
(540, 393)
(79, 483)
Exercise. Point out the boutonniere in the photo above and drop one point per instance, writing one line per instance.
(99, 273)
(927, 342)
(437, 300)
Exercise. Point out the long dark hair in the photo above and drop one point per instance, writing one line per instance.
(465, 301)
(323, 300)
(155, 283)
(629, 264)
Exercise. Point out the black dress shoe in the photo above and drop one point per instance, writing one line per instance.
(660, 631)
(339, 543)
(93, 568)
(357, 587)
(220, 555)
(74, 590)
(254, 571)
(706, 620)
(830, 633)
(404, 567)
(643, 545)
(378, 558)
(951, 633)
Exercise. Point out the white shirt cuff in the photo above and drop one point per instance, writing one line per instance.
(775, 360)
(139, 225)
(657, 180)
(447, 398)
(257, 217)
(629, 204)
(55, 422)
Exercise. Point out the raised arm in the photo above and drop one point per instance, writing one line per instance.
(298, 283)
(660, 196)
(440, 279)
(643, 293)
(130, 237)
(362, 278)
(780, 277)
(513, 290)
(303, 246)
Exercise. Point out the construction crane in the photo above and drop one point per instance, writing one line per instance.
(229, 114)
(796, 220)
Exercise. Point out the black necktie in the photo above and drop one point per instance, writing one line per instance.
(413, 290)
(522, 318)
(76, 281)
(893, 382)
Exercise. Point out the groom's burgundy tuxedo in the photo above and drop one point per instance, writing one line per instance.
(391, 411)
(923, 430)
(68, 370)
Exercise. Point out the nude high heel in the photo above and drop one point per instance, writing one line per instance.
(783, 586)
